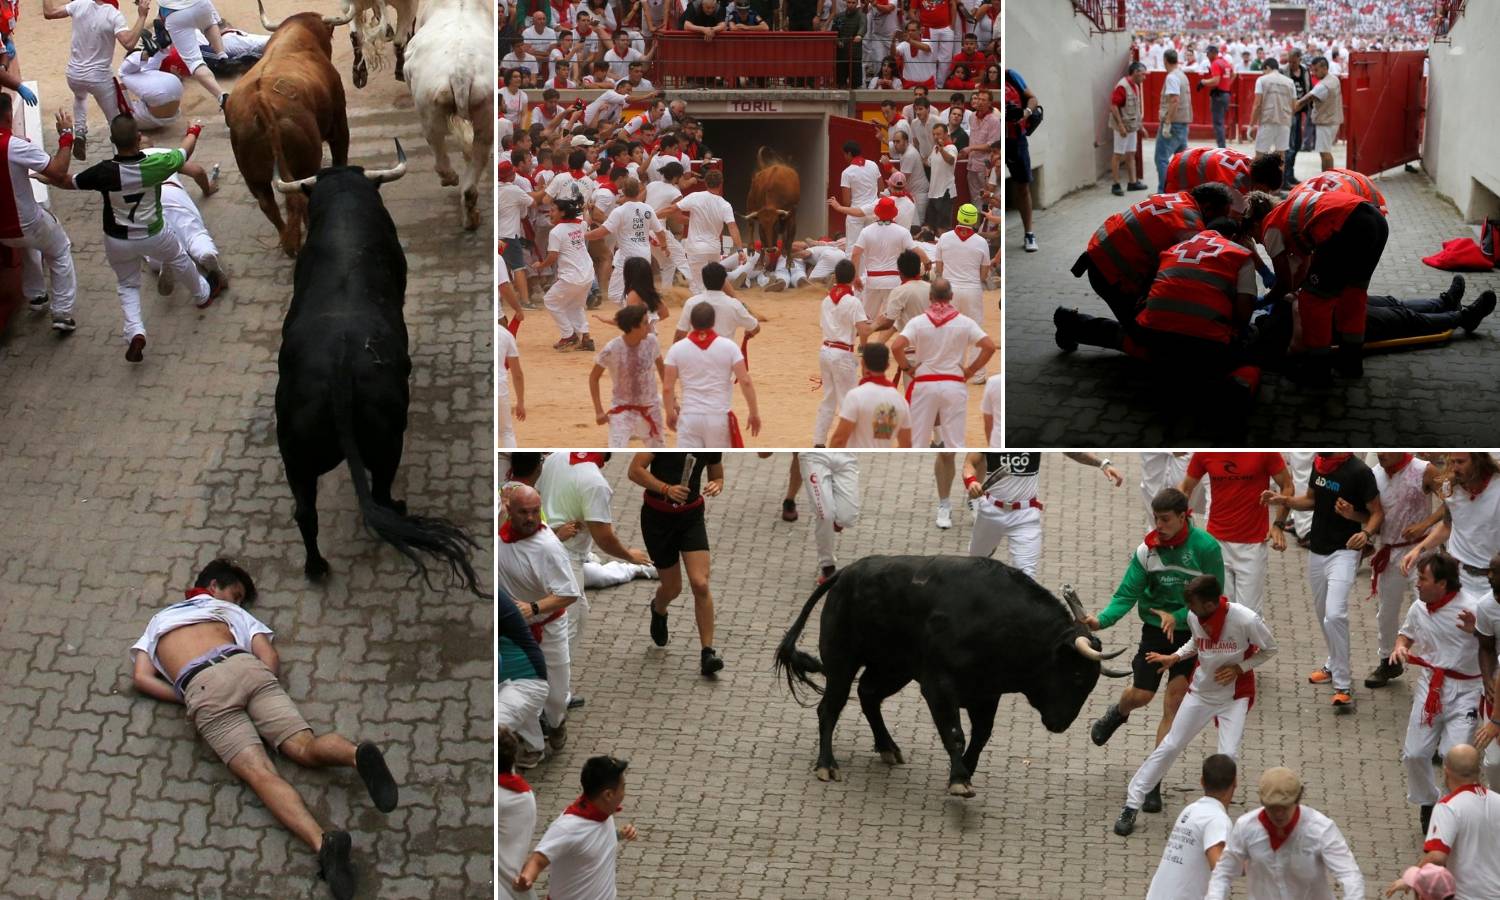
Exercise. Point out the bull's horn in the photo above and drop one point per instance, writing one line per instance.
(292, 187)
(782, 214)
(381, 176)
(265, 22)
(1115, 673)
(342, 19)
(1087, 651)
(1075, 606)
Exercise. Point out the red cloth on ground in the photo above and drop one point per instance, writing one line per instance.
(1460, 255)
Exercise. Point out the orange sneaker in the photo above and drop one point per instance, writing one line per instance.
(1343, 701)
(1320, 676)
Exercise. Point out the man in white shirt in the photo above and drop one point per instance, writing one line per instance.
(670, 257)
(534, 570)
(580, 845)
(708, 366)
(910, 161)
(97, 27)
(938, 397)
(538, 41)
(708, 215)
(845, 326)
(620, 55)
(1198, 837)
(607, 108)
(1405, 485)
(916, 59)
(1229, 641)
(1465, 832)
(859, 185)
(512, 201)
(510, 382)
(33, 229)
(209, 654)
(873, 413)
(730, 315)
(942, 187)
(515, 807)
(874, 254)
(963, 257)
(635, 228)
(1445, 697)
(1328, 113)
(1005, 486)
(1285, 849)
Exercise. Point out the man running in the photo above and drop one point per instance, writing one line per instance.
(845, 327)
(33, 229)
(963, 257)
(708, 215)
(97, 26)
(874, 254)
(1007, 487)
(937, 393)
(567, 248)
(1406, 485)
(209, 654)
(859, 185)
(580, 845)
(186, 221)
(708, 366)
(1197, 838)
(832, 484)
(873, 414)
(1238, 520)
(675, 531)
(634, 362)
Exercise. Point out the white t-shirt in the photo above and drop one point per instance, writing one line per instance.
(840, 320)
(560, 63)
(1437, 639)
(513, 105)
(563, 183)
(939, 349)
(1466, 826)
(632, 371)
(660, 195)
(517, 815)
(506, 349)
(989, 405)
(199, 608)
(535, 567)
(707, 215)
(574, 492)
(863, 183)
(605, 109)
(1402, 499)
(1242, 628)
(660, 161)
(706, 376)
(942, 183)
(24, 157)
(582, 855)
(730, 315)
(573, 263)
(962, 259)
(1475, 536)
(632, 223)
(1183, 871)
(511, 202)
(911, 167)
(882, 242)
(619, 66)
(1298, 870)
(878, 412)
(513, 61)
(824, 259)
(916, 65)
(538, 41)
(95, 25)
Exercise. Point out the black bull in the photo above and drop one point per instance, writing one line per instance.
(344, 369)
(966, 629)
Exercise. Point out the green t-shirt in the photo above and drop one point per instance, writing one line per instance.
(1156, 579)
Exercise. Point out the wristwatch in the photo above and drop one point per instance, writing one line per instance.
(1104, 463)
(536, 608)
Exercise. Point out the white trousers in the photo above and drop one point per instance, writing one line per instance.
(970, 302)
(617, 279)
(670, 259)
(840, 372)
(833, 491)
(105, 94)
(1453, 725)
(126, 256)
(852, 227)
(703, 430)
(1331, 577)
(1192, 717)
(627, 424)
(1478, 587)
(1164, 470)
(1245, 573)
(1021, 528)
(932, 400)
(144, 119)
(567, 302)
(505, 427)
(1301, 465)
(44, 240)
(874, 300)
(182, 216)
(559, 668)
(184, 24)
(578, 613)
(518, 706)
(1392, 592)
(944, 44)
(695, 262)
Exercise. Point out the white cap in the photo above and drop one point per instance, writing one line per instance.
(581, 140)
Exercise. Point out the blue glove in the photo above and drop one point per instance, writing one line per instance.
(10, 46)
(27, 95)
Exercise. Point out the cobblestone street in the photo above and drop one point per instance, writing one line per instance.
(1097, 396)
(123, 480)
(721, 784)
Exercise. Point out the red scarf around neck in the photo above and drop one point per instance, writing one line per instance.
(584, 808)
(577, 458)
(1278, 836)
(941, 313)
(1214, 624)
(1328, 463)
(839, 292)
(509, 536)
(877, 379)
(858, 162)
(964, 232)
(1154, 539)
(1474, 494)
(1441, 602)
(514, 783)
(702, 339)
(578, 174)
(1406, 459)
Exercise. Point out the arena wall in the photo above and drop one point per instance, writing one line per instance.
(1072, 72)
(1462, 135)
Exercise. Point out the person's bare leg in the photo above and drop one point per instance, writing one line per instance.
(943, 468)
(215, 39)
(696, 563)
(667, 588)
(255, 769)
(318, 751)
(793, 479)
(1133, 698)
(204, 76)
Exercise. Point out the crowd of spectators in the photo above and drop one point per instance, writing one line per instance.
(1248, 51)
(1391, 18)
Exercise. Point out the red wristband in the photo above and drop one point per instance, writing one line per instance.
(194, 130)
(970, 480)
(64, 141)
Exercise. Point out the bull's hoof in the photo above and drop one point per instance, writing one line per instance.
(829, 773)
(361, 75)
(892, 757)
(961, 789)
(315, 569)
(448, 179)
(400, 74)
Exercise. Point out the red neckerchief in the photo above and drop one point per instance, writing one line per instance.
(858, 161)
(1441, 602)
(606, 184)
(1475, 494)
(900, 194)
(584, 808)
(1214, 624)
(577, 174)
(839, 292)
(904, 279)
(569, 221)
(509, 536)
(1406, 459)
(963, 232)
(940, 313)
(578, 458)
(514, 783)
(1277, 835)
(702, 339)
(877, 379)
(1328, 463)
(192, 592)
(1154, 539)
(561, 82)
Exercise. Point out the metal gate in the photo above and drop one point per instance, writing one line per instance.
(841, 129)
(1387, 105)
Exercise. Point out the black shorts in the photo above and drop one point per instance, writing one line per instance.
(515, 252)
(668, 535)
(1148, 675)
(1018, 158)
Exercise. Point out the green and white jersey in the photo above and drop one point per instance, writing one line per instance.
(131, 186)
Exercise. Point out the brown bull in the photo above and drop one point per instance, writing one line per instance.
(284, 109)
(772, 204)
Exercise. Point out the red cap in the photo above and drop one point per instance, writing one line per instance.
(506, 169)
(885, 209)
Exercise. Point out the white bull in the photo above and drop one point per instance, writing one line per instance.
(450, 73)
(372, 27)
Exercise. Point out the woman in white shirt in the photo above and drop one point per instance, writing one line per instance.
(513, 100)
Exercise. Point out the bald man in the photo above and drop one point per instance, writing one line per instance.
(1464, 834)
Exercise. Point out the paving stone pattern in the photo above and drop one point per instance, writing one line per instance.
(721, 783)
(1097, 396)
(121, 481)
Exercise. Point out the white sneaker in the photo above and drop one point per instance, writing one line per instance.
(944, 517)
(1029, 243)
(648, 572)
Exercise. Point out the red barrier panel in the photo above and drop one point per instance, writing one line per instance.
(746, 59)
(1202, 126)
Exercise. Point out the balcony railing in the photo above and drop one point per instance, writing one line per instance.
(755, 59)
(1107, 15)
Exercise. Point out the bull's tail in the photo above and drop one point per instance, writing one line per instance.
(411, 535)
(765, 156)
(461, 84)
(794, 664)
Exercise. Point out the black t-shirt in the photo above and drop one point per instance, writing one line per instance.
(1352, 481)
(1013, 463)
(668, 468)
(696, 16)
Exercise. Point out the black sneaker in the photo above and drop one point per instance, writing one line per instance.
(370, 763)
(1475, 312)
(1454, 295)
(334, 865)
(1117, 190)
(1125, 824)
(711, 663)
(1152, 803)
(64, 324)
(576, 702)
(136, 351)
(1137, 186)
(39, 303)
(1063, 320)
(658, 626)
(1104, 727)
(1382, 674)
(789, 510)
